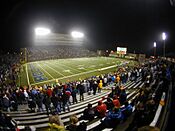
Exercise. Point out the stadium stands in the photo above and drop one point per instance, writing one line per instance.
(144, 90)
(58, 52)
(40, 119)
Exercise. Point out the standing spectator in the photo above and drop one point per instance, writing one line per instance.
(118, 79)
(56, 103)
(81, 89)
(100, 85)
(47, 103)
(65, 101)
(74, 94)
(39, 101)
(6, 103)
(49, 91)
(95, 85)
(105, 80)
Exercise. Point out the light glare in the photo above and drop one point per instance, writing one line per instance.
(42, 31)
(154, 44)
(163, 36)
(76, 34)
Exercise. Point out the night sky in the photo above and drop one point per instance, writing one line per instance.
(134, 24)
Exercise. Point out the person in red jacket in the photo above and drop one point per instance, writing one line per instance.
(49, 91)
(101, 109)
(116, 102)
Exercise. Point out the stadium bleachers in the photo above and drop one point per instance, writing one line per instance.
(57, 52)
(39, 120)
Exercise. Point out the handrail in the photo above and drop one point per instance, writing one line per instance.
(166, 113)
(158, 112)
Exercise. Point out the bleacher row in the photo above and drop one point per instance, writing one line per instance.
(39, 120)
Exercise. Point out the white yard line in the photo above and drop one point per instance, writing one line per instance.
(55, 70)
(32, 77)
(68, 67)
(59, 67)
(27, 76)
(45, 71)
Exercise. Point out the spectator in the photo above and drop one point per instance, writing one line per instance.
(123, 96)
(47, 103)
(75, 125)
(88, 113)
(65, 100)
(127, 110)
(116, 102)
(55, 123)
(6, 103)
(74, 95)
(109, 103)
(82, 90)
(101, 109)
(95, 85)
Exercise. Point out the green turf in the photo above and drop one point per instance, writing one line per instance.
(67, 69)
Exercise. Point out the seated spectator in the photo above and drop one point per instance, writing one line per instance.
(116, 102)
(139, 117)
(123, 96)
(88, 113)
(109, 103)
(101, 109)
(127, 110)
(113, 117)
(75, 125)
(6, 122)
(55, 123)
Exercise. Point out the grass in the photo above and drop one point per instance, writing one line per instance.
(64, 70)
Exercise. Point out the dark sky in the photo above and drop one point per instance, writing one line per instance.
(135, 24)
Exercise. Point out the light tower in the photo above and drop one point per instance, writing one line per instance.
(155, 49)
(164, 38)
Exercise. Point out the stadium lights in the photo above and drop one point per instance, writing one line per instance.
(164, 38)
(76, 34)
(155, 49)
(154, 44)
(42, 31)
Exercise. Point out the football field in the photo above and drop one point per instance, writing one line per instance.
(65, 70)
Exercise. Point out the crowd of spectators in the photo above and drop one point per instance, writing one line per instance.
(58, 97)
(58, 52)
(115, 110)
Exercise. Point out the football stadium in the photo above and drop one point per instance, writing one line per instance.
(70, 67)
(66, 70)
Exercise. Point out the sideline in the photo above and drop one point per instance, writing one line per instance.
(27, 75)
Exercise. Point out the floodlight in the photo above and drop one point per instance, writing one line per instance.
(163, 36)
(154, 44)
(42, 31)
(76, 34)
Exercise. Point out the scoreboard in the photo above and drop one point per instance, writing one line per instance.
(121, 50)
